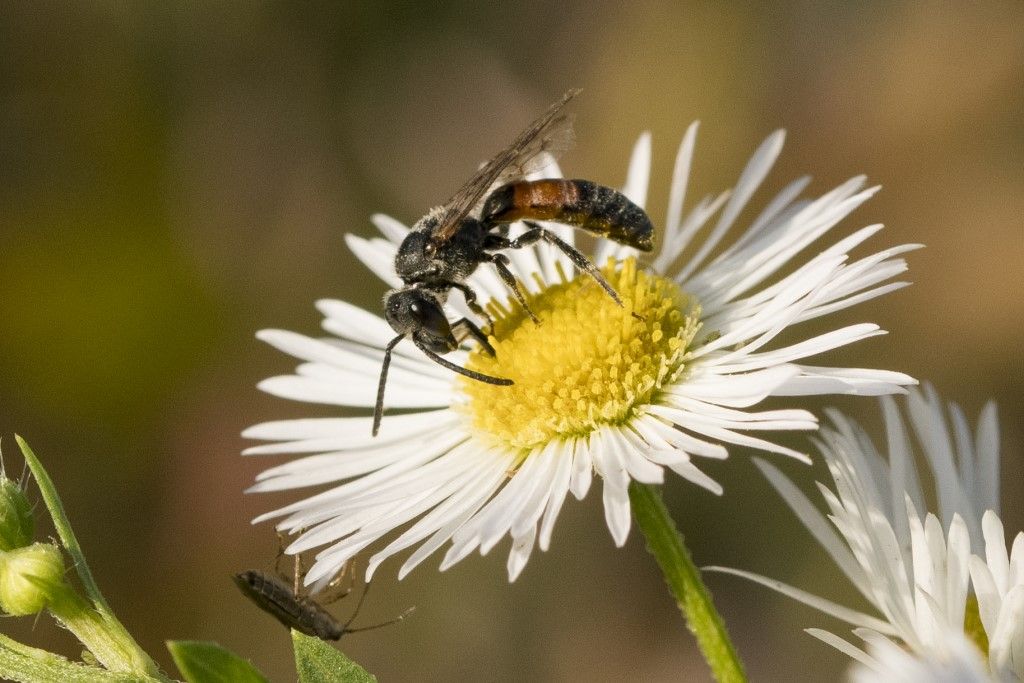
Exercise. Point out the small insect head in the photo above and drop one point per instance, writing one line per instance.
(413, 311)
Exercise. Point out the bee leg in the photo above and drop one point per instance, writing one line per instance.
(470, 296)
(500, 262)
(537, 233)
(467, 328)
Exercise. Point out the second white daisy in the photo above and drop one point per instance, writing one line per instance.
(917, 571)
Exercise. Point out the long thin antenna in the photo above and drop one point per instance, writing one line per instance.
(359, 606)
(397, 619)
(472, 374)
(378, 410)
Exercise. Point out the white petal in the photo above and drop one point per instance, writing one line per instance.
(987, 448)
(844, 646)
(389, 227)
(989, 597)
(582, 472)
(351, 322)
(344, 427)
(559, 489)
(995, 551)
(359, 394)
(377, 255)
(522, 546)
(821, 604)
(617, 512)
(754, 173)
(639, 174)
(815, 523)
(676, 199)
(451, 513)
(739, 390)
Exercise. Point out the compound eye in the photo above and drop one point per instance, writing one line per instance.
(418, 312)
(429, 248)
(428, 316)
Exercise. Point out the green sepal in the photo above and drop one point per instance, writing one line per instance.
(17, 525)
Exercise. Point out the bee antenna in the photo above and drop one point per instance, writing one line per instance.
(478, 376)
(378, 409)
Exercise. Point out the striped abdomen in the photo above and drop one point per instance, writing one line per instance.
(277, 598)
(595, 208)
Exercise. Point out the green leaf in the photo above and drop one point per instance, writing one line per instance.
(63, 526)
(27, 664)
(201, 662)
(318, 662)
(120, 652)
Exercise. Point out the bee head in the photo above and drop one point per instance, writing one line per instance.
(413, 311)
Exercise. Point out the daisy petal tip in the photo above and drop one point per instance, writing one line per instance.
(516, 565)
(620, 535)
(265, 517)
(776, 139)
(267, 334)
(325, 305)
(248, 433)
(803, 457)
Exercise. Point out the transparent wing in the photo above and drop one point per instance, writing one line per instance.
(551, 133)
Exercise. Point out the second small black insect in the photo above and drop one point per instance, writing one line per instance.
(302, 613)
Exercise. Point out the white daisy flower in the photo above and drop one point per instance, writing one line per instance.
(596, 389)
(998, 582)
(914, 571)
(961, 663)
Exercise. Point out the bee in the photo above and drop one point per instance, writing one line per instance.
(304, 614)
(448, 244)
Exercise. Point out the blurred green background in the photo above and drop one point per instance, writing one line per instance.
(173, 178)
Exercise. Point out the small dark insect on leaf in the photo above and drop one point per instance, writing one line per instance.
(304, 614)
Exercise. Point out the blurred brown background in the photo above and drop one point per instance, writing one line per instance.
(173, 179)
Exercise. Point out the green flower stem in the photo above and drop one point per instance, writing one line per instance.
(96, 620)
(683, 578)
(94, 631)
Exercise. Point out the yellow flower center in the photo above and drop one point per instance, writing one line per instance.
(973, 627)
(588, 363)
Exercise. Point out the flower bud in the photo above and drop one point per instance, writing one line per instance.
(30, 577)
(16, 522)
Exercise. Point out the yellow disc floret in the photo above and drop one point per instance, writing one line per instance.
(973, 627)
(588, 363)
